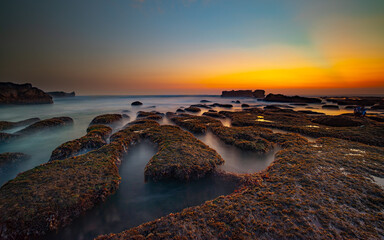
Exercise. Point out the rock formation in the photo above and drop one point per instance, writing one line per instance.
(11, 93)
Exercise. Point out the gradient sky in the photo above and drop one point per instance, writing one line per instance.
(194, 46)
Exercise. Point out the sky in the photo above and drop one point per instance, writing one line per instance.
(137, 47)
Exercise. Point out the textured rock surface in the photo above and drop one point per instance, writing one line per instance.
(11, 93)
(5, 125)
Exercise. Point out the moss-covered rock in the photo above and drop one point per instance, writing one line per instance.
(193, 109)
(181, 156)
(311, 191)
(106, 119)
(96, 137)
(51, 195)
(154, 115)
(213, 114)
(195, 124)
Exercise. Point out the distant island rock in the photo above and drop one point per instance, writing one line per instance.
(136, 103)
(59, 94)
(11, 93)
(244, 93)
(291, 99)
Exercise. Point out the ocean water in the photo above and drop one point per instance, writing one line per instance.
(135, 202)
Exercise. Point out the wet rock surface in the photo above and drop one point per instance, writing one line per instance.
(11, 93)
(137, 103)
(315, 186)
(5, 125)
(154, 115)
(96, 137)
(12, 157)
(45, 125)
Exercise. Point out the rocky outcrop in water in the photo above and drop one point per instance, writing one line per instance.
(244, 93)
(107, 119)
(290, 99)
(60, 94)
(137, 103)
(11, 93)
(45, 125)
(5, 125)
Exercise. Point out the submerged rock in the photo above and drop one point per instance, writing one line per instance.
(5, 125)
(205, 101)
(338, 121)
(12, 157)
(45, 125)
(11, 93)
(244, 105)
(150, 115)
(222, 105)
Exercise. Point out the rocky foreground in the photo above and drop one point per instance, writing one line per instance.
(313, 190)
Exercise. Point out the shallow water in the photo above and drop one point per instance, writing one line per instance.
(136, 202)
(237, 160)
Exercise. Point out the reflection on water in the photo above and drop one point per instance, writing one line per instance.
(236, 160)
(136, 202)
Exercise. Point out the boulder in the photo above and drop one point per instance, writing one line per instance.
(244, 105)
(107, 119)
(4, 125)
(11, 93)
(136, 103)
(193, 109)
(244, 93)
(45, 125)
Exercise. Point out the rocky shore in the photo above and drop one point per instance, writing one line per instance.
(11, 93)
(319, 189)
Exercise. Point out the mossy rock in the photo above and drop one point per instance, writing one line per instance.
(107, 119)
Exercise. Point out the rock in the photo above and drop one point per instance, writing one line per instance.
(244, 93)
(222, 105)
(107, 119)
(11, 93)
(213, 114)
(180, 110)
(291, 99)
(310, 112)
(201, 106)
(204, 101)
(60, 94)
(45, 125)
(150, 115)
(96, 137)
(193, 109)
(244, 105)
(349, 107)
(211, 110)
(12, 157)
(338, 121)
(361, 101)
(136, 103)
(237, 101)
(4, 125)
(330, 107)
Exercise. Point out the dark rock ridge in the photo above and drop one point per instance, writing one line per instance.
(5, 125)
(107, 119)
(59, 94)
(136, 103)
(45, 124)
(366, 101)
(291, 99)
(11, 93)
(244, 93)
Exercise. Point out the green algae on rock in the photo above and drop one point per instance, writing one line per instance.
(154, 115)
(45, 125)
(107, 119)
(195, 124)
(180, 156)
(96, 137)
(51, 195)
(311, 191)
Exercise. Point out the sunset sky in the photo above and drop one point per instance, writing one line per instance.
(194, 46)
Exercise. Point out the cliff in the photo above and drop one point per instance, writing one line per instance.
(11, 93)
